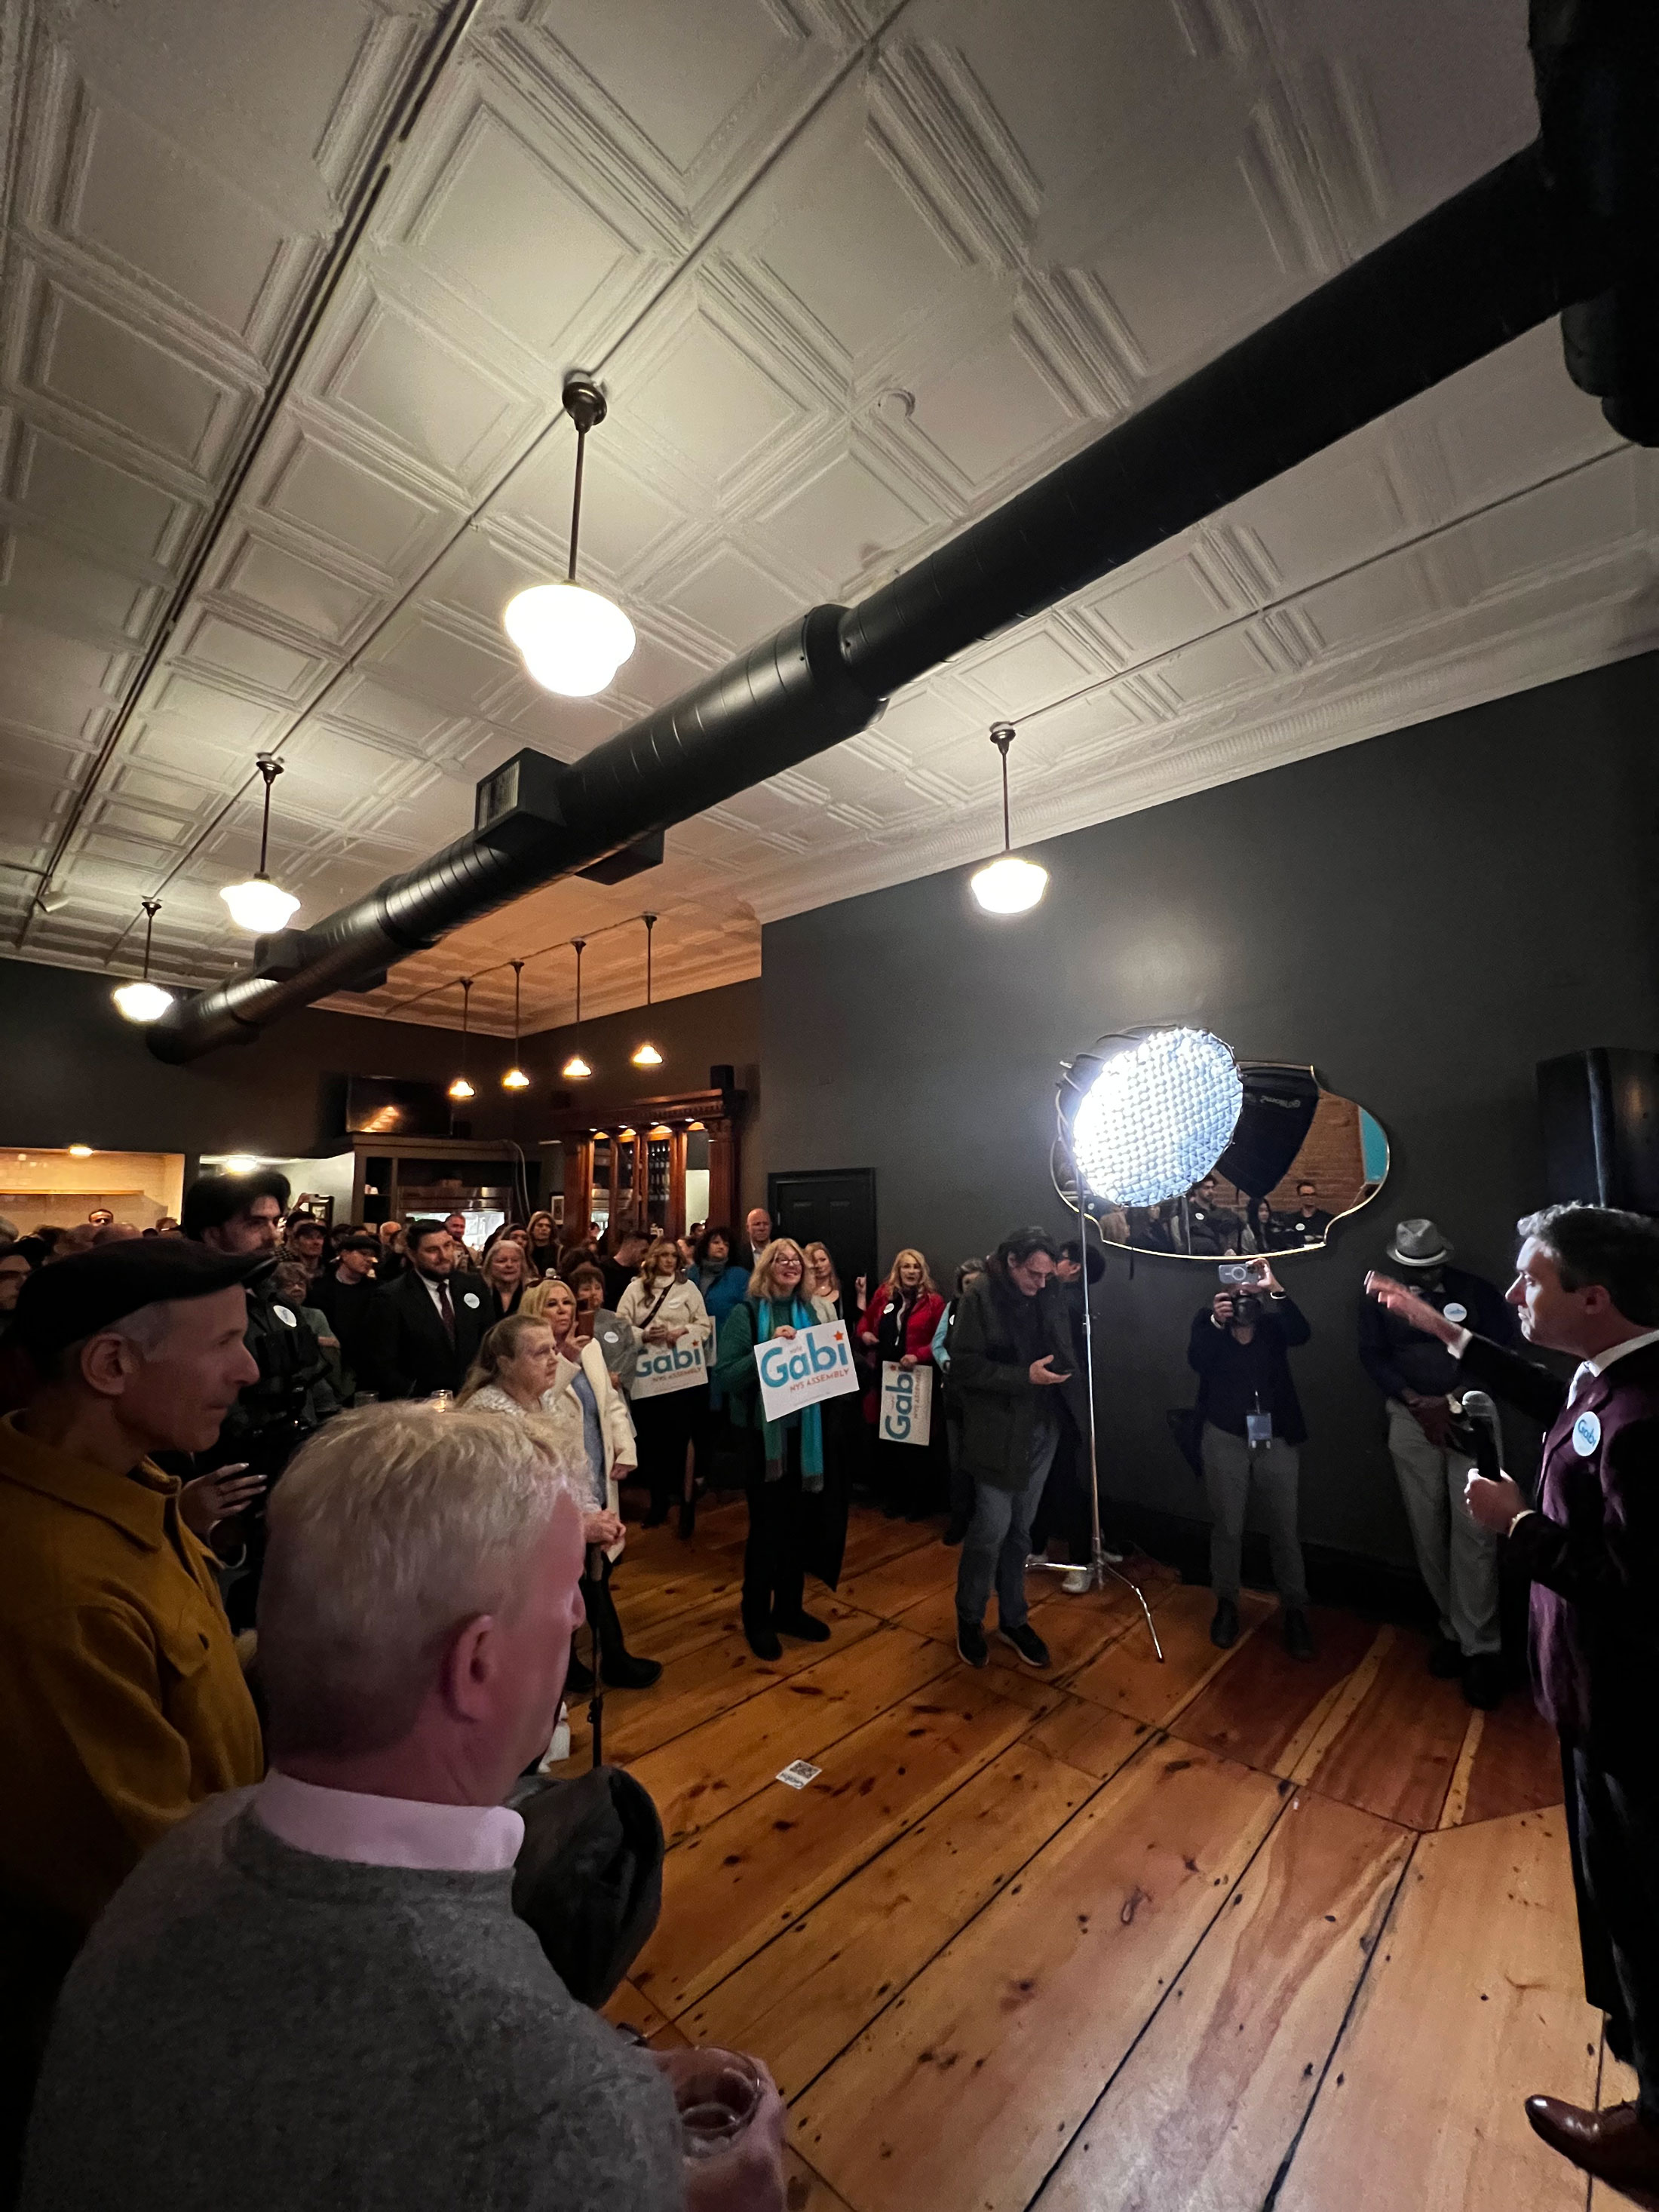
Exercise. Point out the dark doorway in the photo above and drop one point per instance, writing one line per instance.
(836, 1207)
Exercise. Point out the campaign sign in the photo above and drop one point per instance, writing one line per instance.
(907, 1399)
(800, 1371)
(665, 1367)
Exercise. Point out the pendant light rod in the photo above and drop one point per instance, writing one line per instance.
(583, 403)
(1002, 736)
(518, 970)
(152, 907)
(270, 767)
(580, 944)
(650, 921)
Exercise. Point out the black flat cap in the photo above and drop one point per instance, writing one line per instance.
(70, 1299)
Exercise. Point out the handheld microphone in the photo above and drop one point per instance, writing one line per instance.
(1482, 1416)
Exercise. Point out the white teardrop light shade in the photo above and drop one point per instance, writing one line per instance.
(574, 1068)
(573, 639)
(648, 1056)
(259, 905)
(461, 1088)
(515, 1080)
(143, 1002)
(1010, 885)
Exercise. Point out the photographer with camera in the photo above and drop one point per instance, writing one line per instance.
(1251, 1427)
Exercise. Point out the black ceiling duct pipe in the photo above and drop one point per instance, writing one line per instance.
(1461, 281)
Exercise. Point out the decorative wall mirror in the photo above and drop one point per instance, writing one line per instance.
(1301, 1158)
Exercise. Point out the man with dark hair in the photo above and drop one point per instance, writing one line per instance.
(1011, 1370)
(1252, 1429)
(421, 1332)
(1587, 1282)
(627, 1249)
(1308, 1224)
(122, 1702)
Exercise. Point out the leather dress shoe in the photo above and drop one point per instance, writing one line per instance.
(1298, 1637)
(1617, 2146)
(1446, 1659)
(1224, 1629)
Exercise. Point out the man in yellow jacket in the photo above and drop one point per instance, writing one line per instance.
(122, 1702)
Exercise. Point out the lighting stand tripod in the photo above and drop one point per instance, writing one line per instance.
(1100, 1563)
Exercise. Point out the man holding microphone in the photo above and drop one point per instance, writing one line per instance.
(1587, 1282)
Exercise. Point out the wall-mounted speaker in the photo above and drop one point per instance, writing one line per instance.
(1598, 1112)
(723, 1076)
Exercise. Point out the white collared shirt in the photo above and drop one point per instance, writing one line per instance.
(389, 1832)
(435, 1292)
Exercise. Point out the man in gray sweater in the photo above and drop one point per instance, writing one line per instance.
(314, 1993)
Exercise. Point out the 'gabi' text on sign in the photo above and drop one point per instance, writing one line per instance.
(802, 1369)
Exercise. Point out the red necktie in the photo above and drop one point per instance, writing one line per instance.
(446, 1311)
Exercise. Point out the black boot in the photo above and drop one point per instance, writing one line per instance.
(687, 1518)
(621, 1669)
(578, 1678)
(762, 1637)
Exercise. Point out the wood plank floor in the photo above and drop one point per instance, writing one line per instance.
(1209, 1934)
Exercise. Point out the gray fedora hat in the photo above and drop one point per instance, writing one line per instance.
(1418, 1243)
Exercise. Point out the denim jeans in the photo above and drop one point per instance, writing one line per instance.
(999, 1537)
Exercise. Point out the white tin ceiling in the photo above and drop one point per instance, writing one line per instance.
(852, 272)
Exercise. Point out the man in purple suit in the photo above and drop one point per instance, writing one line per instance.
(1587, 1282)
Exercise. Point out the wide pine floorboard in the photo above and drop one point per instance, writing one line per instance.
(1200, 1934)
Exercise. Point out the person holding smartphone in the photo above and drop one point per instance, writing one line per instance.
(1252, 1431)
(1013, 1370)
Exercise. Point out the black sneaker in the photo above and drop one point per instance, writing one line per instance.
(971, 1643)
(1446, 1659)
(1298, 1637)
(1224, 1629)
(805, 1627)
(1026, 1641)
(1483, 1679)
(762, 1640)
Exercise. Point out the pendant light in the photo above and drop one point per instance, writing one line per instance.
(144, 1001)
(461, 1088)
(647, 1055)
(573, 639)
(576, 1067)
(1008, 885)
(258, 904)
(515, 1078)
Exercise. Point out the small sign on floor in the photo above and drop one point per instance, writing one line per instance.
(798, 1773)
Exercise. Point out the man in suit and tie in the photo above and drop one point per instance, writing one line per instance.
(1587, 1282)
(422, 1332)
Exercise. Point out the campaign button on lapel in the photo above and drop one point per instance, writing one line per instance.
(468, 1297)
(1455, 1312)
(283, 1314)
(1586, 1434)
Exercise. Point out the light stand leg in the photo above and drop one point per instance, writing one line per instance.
(1100, 1566)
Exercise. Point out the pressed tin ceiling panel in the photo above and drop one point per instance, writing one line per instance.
(852, 272)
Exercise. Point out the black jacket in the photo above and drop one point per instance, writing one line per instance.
(991, 1382)
(1399, 1358)
(272, 1416)
(347, 1307)
(1224, 1365)
(407, 1352)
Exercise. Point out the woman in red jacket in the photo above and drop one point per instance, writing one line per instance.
(897, 1325)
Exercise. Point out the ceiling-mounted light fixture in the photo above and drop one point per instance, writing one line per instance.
(461, 1088)
(573, 639)
(258, 904)
(647, 1055)
(80, 1151)
(144, 1001)
(515, 1078)
(1008, 885)
(576, 1067)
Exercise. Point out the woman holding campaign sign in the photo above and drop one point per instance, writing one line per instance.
(896, 1332)
(670, 1389)
(782, 1355)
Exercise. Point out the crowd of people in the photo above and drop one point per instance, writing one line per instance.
(410, 1464)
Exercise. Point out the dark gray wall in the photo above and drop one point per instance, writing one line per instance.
(693, 1034)
(1422, 917)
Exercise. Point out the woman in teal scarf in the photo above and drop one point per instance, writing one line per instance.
(786, 1479)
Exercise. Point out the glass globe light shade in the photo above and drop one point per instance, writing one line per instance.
(573, 639)
(515, 1080)
(574, 1068)
(259, 905)
(461, 1088)
(143, 1002)
(1010, 885)
(239, 1163)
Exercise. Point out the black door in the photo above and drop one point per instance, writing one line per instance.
(836, 1208)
